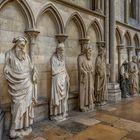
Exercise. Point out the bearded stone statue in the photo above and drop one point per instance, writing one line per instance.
(101, 93)
(86, 96)
(22, 83)
(60, 85)
(133, 76)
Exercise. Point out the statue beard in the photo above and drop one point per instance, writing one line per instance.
(60, 57)
(20, 54)
(88, 57)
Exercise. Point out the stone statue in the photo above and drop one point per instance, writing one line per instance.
(60, 85)
(83, 46)
(86, 97)
(139, 74)
(124, 81)
(133, 76)
(101, 93)
(22, 82)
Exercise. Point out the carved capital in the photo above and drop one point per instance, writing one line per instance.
(61, 37)
(32, 33)
(83, 41)
(130, 48)
(120, 47)
(137, 49)
(101, 44)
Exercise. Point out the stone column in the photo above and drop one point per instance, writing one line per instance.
(112, 39)
(32, 34)
(129, 50)
(120, 48)
(106, 28)
(114, 92)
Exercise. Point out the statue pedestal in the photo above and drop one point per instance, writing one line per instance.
(114, 92)
(1, 123)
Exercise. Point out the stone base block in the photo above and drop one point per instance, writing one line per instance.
(114, 92)
(1, 124)
(41, 110)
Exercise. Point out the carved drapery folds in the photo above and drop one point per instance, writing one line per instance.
(101, 93)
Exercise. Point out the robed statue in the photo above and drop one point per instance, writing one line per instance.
(60, 86)
(86, 95)
(133, 76)
(101, 93)
(22, 86)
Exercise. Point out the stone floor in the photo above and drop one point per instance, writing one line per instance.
(119, 121)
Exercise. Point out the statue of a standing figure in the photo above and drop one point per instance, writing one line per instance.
(133, 76)
(22, 82)
(139, 74)
(101, 93)
(60, 85)
(124, 81)
(86, 97)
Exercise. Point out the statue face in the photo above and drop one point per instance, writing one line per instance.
(19, 50)
(60, 53)
(21, 45)
(88, 54)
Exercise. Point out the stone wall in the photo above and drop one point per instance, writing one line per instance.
(49, 18)
(82, 3)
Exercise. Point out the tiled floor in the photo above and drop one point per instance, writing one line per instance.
(119, 121)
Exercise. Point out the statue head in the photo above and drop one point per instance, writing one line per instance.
(20, 42)
(101, 51)
(88, 52)
(19, 46)
(83, 46)
(134, 59)
(60, 51)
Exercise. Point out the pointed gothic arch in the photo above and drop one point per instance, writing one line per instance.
(128, 38)
(119, 37)
(26, 10)
(136, 40)
(98, 29)
(79, 22)
(55, 14)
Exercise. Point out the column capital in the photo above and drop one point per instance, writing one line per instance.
(32, 33)
(130, 48)
(61, 37)
(83, 41)
(101, 44)
(120, 46)
(137, 49)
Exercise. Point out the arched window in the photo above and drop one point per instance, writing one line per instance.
(97, 5)
(132, 10)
